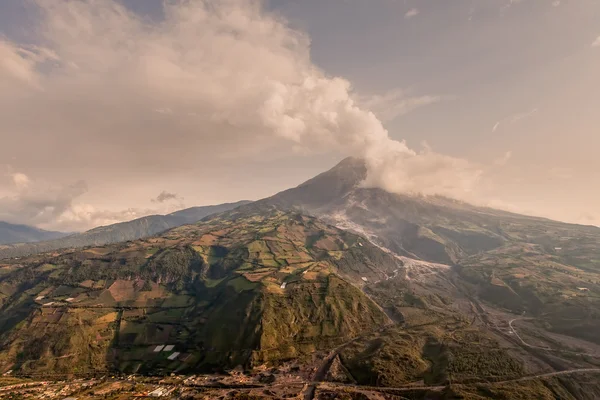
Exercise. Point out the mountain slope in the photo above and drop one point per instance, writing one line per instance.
(121, 232)
(259, 288)
(550, 270)
(431, 228)
(437, 299)
(11, 233)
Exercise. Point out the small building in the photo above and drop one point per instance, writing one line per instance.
(583, 289)
(283, 285)
(159, 348)
(364, 279)
(157, 392)
(173, 356)
(169, 347)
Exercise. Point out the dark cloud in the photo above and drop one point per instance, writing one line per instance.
(166, 196)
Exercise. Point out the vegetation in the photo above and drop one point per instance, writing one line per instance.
(260, 287)
(216, 291)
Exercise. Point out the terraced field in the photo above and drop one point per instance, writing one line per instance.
(257, 289)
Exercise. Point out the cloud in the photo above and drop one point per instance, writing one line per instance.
(504, 159)
(395, 103)
(520, 116)
(166, 111)
(113, 91)
(596, 42)
(413, 12)
(82, 216)
(513, 119)
(166, 196)
(556, 3)
(506, 6)
(398, 170)
(20, 180)
(471, 13)
(39, 204)
(17, 65)
(42, 204)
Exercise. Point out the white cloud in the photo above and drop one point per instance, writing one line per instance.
(596, 42)
(36, 203)
(502, 161)
(508, 5)
(82, 216)
(20, 180)
(556, 3)
(471, 13)
(513, 119)
(50, 206)
(237, 77)
(413, 12)
(17, 65)
(520, 116)
(395, 103)
(403, 171)
(166, 111)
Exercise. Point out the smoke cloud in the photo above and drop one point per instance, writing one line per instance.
(211, 78)
(165, 196)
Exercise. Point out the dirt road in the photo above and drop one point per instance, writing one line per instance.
(442, 387)
(524, 343)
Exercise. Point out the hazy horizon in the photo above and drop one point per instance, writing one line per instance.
(118, 109)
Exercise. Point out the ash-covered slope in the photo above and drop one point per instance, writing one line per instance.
(431, 228)
(550, 270)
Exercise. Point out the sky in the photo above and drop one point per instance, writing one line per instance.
(111, 110)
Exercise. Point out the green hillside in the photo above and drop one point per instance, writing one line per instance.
(434, 299)
(238, 291)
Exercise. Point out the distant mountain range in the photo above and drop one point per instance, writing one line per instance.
(430, 228)
(121, 232)
(12, 233)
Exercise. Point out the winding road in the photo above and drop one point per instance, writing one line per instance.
(524, 343)
(442, 387)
